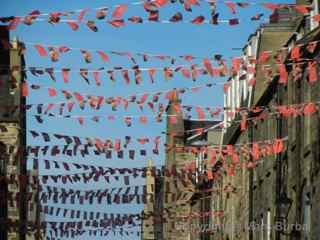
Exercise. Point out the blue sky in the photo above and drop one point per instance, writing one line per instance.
(166, 39)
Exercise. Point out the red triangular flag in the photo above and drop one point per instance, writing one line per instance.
(201, 114)
(117, 22)
(52, 92)
(309, 108)
(160, 3)
(65, 75)
(198, 20)
(312, 72)
(295, 53)
(316, 18)
(103, 56)
(231, 6)
(208, 66)
(283, 79)
(41, 50)
(96, 76)
(302, 9)
(119, 11)
(271, 6)
(81, 15)
(81, 120)
(25, 89)
(74, 26)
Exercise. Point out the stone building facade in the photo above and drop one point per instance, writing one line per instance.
(182, 200)
(277, 199)
(13, 142)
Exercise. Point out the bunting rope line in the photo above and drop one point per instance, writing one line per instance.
(145, 94)
(159, 3)
(88, 57)
(280, 110)
(86, 52)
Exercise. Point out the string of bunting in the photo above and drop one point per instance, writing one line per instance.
(152, 9)
(120, 9)
(305, 109)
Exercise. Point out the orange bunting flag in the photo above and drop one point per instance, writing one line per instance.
(230, 171)
(41, 50)
(186, 73)
(168, 73)
(210, 175)
(194, 72)
(198, 20)
(255, 151)
(143, 120)
(264, 56)
(236, 62)
(309, 109)
(312, 72)
(160, 3)
(81, 120)
(302, 9)
(70, 106)
(125, 75)
(73, 25)
(96, 76)
(271, 6)
(117, 145)
(103, 56)
(201, 114)
(208, 66)
(117, 22)
(151, 72)
(295, 53)
(84, 74)
(25, 89)
(316, 18)
(231, 6)
(52, 92)
(79, 97)
(213, 156)
(226, 87)
(86, 55)
(252, 82)
(251, 165)
(65, 75)
(311, 47)
(99, 143)
(283, 79)
(243, 123)
(278, 146)
(82, 14)
(119, 11)
(235, 158)
(171, 95)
